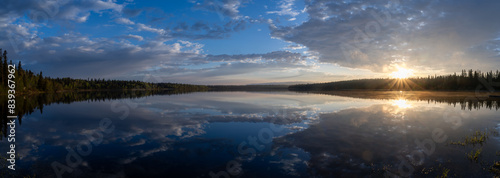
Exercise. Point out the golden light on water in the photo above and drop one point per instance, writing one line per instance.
(401, 103)
(402, 73)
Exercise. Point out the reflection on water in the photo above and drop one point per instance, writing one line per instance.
(401, 103)
(255, 134)
(369, 140)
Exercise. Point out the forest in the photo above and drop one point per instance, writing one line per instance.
(248, 87)
(28, 82)
(466, 81)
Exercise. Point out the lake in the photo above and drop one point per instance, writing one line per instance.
(257, 134)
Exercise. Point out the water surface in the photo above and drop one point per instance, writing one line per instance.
(255, 134)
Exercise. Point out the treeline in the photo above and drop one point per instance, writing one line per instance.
(28, 82)
(466, 81)
(248, 87)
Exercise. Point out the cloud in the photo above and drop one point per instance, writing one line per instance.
(223, 8)
(295, 47)
(233, 69)
(41, 11)
(22, 20)
(134, 37)
(73, 54)
(131, 12)
(286, 8)
(377, 35)
(275, 56)
(124, 21)
(79, 11)
(143, 27)
(201, 30)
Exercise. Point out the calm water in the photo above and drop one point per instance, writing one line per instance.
(253, 134)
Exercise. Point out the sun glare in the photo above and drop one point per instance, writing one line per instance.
(402, 73)
(401, 103)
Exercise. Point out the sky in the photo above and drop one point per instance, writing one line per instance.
(250, 41)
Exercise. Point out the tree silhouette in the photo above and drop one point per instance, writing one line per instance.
(467, 81)
(28, 83)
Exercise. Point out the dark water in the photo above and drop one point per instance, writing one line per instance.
(254, 134)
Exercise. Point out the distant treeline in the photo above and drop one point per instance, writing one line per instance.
(248, 87)
(28, 82)
(466, 81)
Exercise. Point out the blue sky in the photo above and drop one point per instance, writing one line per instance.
(250, 41)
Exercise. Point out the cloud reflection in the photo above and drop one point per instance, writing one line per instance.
(171, 134)
(367, 140)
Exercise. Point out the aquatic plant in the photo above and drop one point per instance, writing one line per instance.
(474, 155)
(445, 173)
(478, 137)
(495, 169)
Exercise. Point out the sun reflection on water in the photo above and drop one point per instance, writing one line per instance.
(401, 103)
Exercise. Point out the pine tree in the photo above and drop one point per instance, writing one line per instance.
(4, 69)
(21, 79)
(2, 73)
(41, 82)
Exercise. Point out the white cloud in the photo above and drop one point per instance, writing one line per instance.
(295, 47)
(82, 18)
(224, 8)
(143, 27)
(124, 21)
(286, 8)
(78, 11)
(135, 37)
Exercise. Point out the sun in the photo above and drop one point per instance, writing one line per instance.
(402, 73)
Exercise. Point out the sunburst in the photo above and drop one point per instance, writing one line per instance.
(402, 73)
